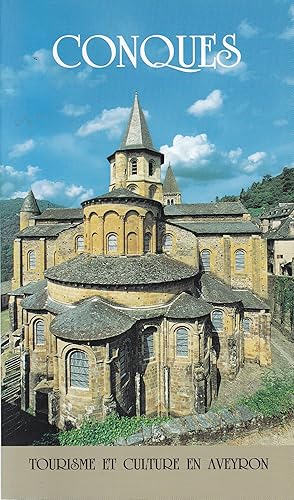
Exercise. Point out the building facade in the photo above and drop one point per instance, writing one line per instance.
(136, 303)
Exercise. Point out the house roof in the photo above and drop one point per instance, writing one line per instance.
(87, 269)
(218, 208)
(121, 195)
(45, 230)
(187, 306)
(219, 227)
(170, 184)
(283, 232)
(137, 133)
(250, 300)
(30, 288)
(30, 204)
(61, 214)
(282, 210)
(215, 291)
(5, 287)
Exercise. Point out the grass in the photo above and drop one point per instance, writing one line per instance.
(5, 323)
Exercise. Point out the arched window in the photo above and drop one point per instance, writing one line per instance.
(132, 187)
(40, 332)
(79, 243)
(168, 243)
(148, 344)
(182, 342)
(151, 167)
(240, 260)
(168, 201)
(134, 167)
(32, 259)
(172, 201)
(147, 241)
(112, 243)
(152, 191)
(246, 325)
(217, 319)
(205, 260)
(79, 369)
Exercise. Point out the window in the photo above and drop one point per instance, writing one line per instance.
(112, 243)
(40, 332)
(31, 259)
(124, 360)
(240, 260)
(134, 167)
(147, 241)
(205, 260)
(246, 325)
(168, 201)
(182, 342)
(79, 369)
(168, 242)
(151, 167)
(80, 243)
(152, 191)
(217, 319)
(171, 201)
(132, 187)
(148, 347)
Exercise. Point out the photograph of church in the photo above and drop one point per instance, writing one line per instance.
(136, 302)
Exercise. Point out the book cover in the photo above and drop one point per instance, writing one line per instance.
(147, 207)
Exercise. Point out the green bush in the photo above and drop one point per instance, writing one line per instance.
(275, 397)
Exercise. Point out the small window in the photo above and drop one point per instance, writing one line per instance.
(147, 242)
(32, 259)
(40, 332)
(148, 344)
(168, 201)
(168, 243)
(134, 167)
(80, 243)
(132, 187)
(246, 325)
(152, 191)
(151, 167)
(240, 260)
(205, 260)
(217, 319)
(182, 342)
(79, 369)
(112, 243)
(172, 201)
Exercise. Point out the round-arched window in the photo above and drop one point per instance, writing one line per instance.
(147, 242)
(246, 325)
(205, 259)
(168, 242)
(217, 319)
(240, 260)
(182, 342)
(112, 242)
(31, 259)
(79, 369)
(39, 332)
(79, 243)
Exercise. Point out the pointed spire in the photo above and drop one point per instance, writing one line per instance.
(137, 134)
(30, 204)
(170, 184)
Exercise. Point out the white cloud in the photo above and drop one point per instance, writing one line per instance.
(75, 110)
(210, 104)
(22, 148)
(281, 122)
(110, 120)
(288, 32)
(188, 150)
(12, 179)
(240, 70)
(253, 161)
(247, 30)
(234, 155)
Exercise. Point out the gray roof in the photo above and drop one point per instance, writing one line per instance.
(280, 211)
(36, 301)
(218, 208)
(5, 287)
(30, 204)
(93, 319)
(170, 184)
(30, 288)
(249, 300)
(72, 214)
(121, 195)
(102, 270)
(186, 306)
(44, 230)
(219, 227)
(283, 232)
(39, 300)
(137, 134)
(215, 291)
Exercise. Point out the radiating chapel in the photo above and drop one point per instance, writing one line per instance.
(136, 302)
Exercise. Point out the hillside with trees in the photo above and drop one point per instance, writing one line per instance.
(266, 193)
(9, 210)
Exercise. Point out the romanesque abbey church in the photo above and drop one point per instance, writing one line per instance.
(136, 302)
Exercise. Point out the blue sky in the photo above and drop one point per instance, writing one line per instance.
(220, 129)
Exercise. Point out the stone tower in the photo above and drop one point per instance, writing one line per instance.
(171, 192)
(136, 165)
(28, 210)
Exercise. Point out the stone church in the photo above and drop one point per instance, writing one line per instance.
(136, 302)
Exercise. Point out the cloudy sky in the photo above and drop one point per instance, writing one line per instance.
(220, 129)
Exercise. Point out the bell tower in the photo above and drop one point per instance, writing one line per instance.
(136, 165)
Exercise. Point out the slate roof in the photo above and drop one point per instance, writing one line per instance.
(186, 306)
(122, 195)
(73, 214)
(102, 270)
(93, 319)
(30, 204)
(36, 301)
(44, 230)
(30, 288)
(249, 300)
(279, 211)
(219, 227)
(170, 184)
(283, 232)
(219, 208)
(5, 287)
(137, 133)
(215, 291)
